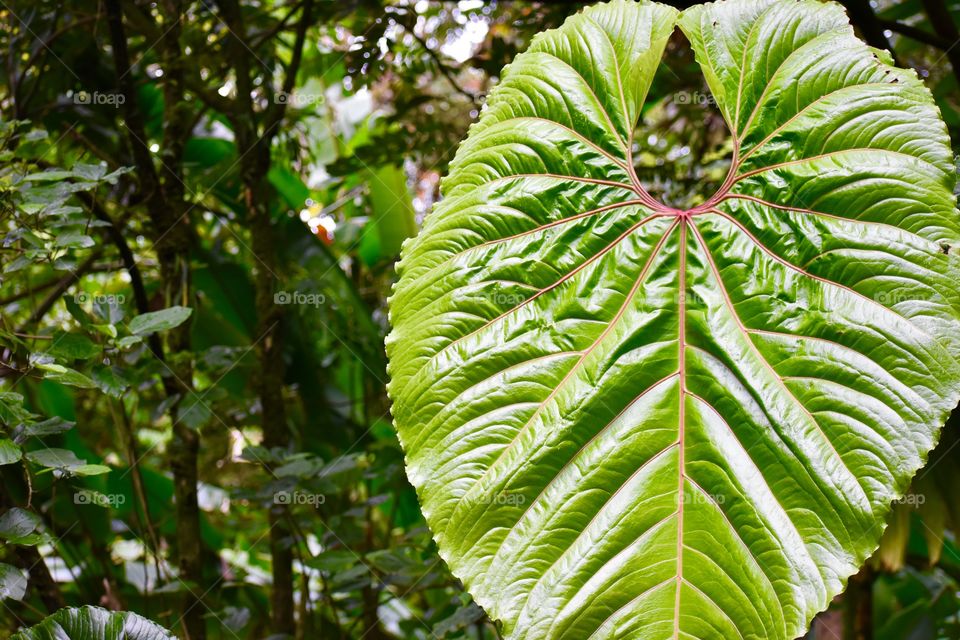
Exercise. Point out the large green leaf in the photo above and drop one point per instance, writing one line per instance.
(625, 420)
(94, 623)
(393, 218)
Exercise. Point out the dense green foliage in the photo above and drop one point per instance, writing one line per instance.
(200, 205)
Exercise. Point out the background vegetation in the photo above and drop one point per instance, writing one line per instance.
(200, 205)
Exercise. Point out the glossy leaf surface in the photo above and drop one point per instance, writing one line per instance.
(94, 623)
(626, 420)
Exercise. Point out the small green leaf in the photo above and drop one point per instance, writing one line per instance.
(75, 310)
(334, 561)
(9, 451)
(129, 341)
(20, 526)
(302, 467)
(90, 470)
(164, 320)
(18, 263)
(35, 135)
(74, 240)
(48, 427)
(54, 458)
(193, 411)
(72, 346)
(30, 237)
(91, 172)
(108, 330)
(110, 380)
(64, 375)
(48, 176)
(66, 461)
(461, 619)
(11, 409)
(13, 582)
(393, 219)
(111, 177)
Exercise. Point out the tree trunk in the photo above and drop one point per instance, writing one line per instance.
(858, 606)
(270, 380)
(253, 148)
(173, 254)
(163, 194)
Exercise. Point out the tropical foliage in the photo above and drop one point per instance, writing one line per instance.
(202, 204)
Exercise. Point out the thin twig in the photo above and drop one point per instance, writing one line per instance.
(442, 66)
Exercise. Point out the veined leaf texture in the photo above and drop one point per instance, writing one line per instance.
(630, 421)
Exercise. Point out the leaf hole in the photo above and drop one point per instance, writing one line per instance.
(682, 147)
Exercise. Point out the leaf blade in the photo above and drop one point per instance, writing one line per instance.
(622, 419)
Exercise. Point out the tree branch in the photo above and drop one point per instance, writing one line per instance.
(863, 16)
(146, 172)
(60, 288)
(441, 65)
(279, 108)
(942, 22)
(277, 28)
(115, 233)
(915, 33)
(192, 81)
